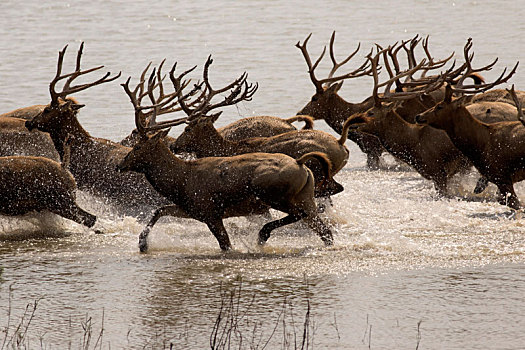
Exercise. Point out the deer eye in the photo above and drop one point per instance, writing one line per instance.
(439, 107)
(314, 98)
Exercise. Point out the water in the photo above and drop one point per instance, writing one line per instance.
(402, 256)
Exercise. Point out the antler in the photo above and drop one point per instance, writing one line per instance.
(161, 104)
(67, 89)
(421, 86)
(475, 88)
(517, 102)
(364, 69)
(431, 63)
(240, 91)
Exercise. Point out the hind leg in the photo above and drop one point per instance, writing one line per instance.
(481, 185)
(507, 196)
(317, 225)
(264, 233)
(72, 211)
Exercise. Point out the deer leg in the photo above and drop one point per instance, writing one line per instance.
(441, 187)
(217, 228)
(372, 161)
(264, 233)
(163, 211)
(73, 212)
(317, 225)
(508, 197)
(481, 185)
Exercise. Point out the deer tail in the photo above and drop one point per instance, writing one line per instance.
(308, 121)
(478, 78)
(344, 132)
(322, 158)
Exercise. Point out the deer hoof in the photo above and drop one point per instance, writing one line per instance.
(143, 245)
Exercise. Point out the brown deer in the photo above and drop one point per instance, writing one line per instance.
(206, 188)
(93, 160)
(497, 150)
(26, 113)
(500, 95)
(16, 140)
(263, 126)
(36, 184)
(326, 103)
(201, 137)
(428, 150)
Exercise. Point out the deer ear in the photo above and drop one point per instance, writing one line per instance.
(76, 106)
(448, 93)
(335, 87)
(161, 134)
(468, 99)
(216, 116)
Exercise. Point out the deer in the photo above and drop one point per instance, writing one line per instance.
(35, 184)
(428, 150)
(201, 138)
(16, 140)
(93, 160)
(26, 113)
(206, 188)
(496, 150)
(326, 103)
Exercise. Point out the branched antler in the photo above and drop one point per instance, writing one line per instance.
(458, 87)
(162, 104)
(239, 89)
(67, 89)
(364, 69)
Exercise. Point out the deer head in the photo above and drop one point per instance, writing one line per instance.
(59, 117)
(326, 90)
(143, 152)
(151, 137)
(389, 101)
(441, 114)
(200, 136)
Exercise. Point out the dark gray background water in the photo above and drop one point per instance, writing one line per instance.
(401, 256)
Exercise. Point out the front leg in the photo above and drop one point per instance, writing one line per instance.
(163, 211)
(216, 226)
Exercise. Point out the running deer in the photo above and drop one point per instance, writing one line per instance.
(208, 187)
(93, 160)
(201, 137)
(428, 150)
(326, 103)
(37, 184)
(497, 150)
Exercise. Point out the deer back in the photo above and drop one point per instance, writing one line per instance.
(32, 183)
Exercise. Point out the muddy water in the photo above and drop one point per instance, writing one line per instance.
(402, 256)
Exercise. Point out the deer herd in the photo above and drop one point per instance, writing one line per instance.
(440, 123)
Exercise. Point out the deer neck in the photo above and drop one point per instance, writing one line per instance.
(214, 145)
(467, 133)
(397, 135)
(342, 110)
(74, 131)
(165, 172)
